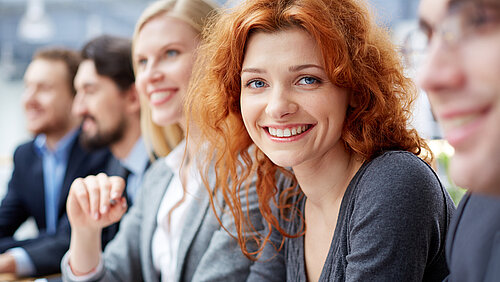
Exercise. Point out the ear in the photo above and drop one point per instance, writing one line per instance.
(133, 103)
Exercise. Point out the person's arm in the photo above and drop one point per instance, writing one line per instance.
(398, 224)
(12, 211)
(89, 210)
(121, 259)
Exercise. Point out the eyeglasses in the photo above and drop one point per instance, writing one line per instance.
(465, 20)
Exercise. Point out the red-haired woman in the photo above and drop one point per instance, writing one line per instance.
(316, 86)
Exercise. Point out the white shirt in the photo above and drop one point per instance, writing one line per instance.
(167, 235)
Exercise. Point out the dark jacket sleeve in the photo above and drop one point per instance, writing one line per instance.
(47, 250)
(12, 210)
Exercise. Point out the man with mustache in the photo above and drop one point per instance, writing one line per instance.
(108, 104)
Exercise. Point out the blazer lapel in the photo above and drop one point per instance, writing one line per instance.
(37, 187)
(196, 215)
(75, 163)
(151, 204)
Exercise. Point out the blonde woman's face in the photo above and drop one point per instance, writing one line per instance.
(164, 54)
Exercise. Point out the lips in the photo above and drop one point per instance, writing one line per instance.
(33, 114)
(87, 123)
(286, 132)
(160, 96)
(459, 126)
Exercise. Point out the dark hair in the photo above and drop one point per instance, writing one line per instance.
(112, 57)
(69, 57)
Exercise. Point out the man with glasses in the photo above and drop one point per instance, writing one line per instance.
(461, 75)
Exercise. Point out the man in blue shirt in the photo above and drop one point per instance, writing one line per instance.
(109, 106)
(45, 167)
(461, 76)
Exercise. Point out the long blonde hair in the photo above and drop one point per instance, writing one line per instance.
(160, 140)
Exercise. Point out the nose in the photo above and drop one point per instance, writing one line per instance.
(442, 69)
(28, 95)
(79, 107)
(152, 73)
(280, 104)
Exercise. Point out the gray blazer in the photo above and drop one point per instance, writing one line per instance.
(206, 251)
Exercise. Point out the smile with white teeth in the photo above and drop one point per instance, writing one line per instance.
(456, 122)
(158, 96)
(287, 132)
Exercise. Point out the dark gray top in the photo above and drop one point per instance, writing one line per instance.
(391, 226)
(473, 244)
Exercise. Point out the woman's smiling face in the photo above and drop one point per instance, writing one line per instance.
(164, 55)
(291, 110)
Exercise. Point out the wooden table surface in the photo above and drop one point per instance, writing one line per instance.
(13, 277)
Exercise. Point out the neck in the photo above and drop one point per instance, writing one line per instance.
(325, 181)
(52, 138)
(124, 146)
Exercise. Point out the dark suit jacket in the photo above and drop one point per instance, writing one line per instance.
(473, 243)
(25, 198)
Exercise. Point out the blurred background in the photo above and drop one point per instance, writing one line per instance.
(26, 25)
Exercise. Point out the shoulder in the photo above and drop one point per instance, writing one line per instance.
(398, 178)
(25, 150)
(399, 169)
(157, 170)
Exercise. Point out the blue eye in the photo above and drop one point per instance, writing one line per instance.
(172, 53)
(256, 84)
(142, 62)
(308, 80)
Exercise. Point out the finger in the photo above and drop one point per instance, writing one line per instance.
(116, 212)
(78, 196)
(117, 188)
(94, 195)
(105, 186)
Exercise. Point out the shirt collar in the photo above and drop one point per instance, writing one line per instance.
(174, 158)
(62, 147)
(137, 159)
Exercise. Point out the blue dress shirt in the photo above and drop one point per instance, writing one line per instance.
(136, 163)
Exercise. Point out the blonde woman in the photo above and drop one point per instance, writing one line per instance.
(171, 233)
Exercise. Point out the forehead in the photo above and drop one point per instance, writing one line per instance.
(44, 70)
(277, 44)
(432, 11)
(172, 30)
(86, 71)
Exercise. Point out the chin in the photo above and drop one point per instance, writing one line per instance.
(477, 170)
(164, 120)
(476, 179)
(282, 161)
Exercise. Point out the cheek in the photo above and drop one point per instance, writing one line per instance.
(184, 71)
(483, 60)
(246, 114)
(140, 84)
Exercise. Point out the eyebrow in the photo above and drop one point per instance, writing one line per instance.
(290, 69)
(302, 67)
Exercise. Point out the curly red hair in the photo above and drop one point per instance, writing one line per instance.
(358, 56)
